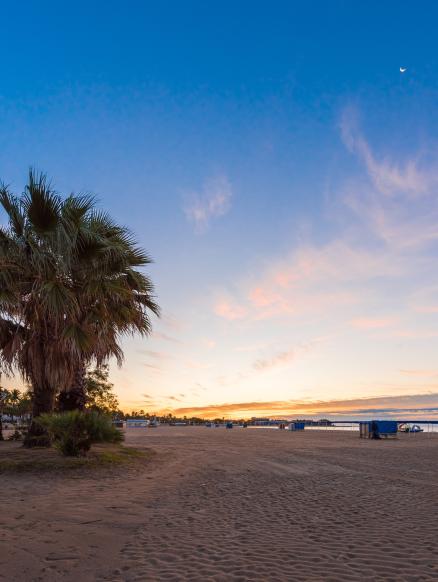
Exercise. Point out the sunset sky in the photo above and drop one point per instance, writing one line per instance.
(280, 170)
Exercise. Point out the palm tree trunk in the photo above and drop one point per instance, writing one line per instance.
(43, 402)
(75, 397)
(2, 405)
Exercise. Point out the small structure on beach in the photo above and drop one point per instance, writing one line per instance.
(410, 428)
(136, 423)
(296, 426)
(377, 429)
(256, 421)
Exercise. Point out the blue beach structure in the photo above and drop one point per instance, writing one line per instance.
(296, 426)
(377, 429)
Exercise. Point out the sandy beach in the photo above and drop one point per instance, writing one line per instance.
(216, 504)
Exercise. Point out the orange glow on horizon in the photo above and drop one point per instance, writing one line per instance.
(407, 405)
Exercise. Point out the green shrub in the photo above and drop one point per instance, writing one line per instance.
(74, 432)
(15, 436)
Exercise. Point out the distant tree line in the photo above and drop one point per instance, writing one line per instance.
(16, 405)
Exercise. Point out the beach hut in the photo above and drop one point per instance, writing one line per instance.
(136, 423)
(377, 429)
(296, 426)
(364, 430)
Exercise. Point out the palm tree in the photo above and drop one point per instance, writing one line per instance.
(14, 402)
(4, 395)
(114, 299)
(18, 405)
(69, 290)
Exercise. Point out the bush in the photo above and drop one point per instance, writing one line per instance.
(74, 432)
(15, 436)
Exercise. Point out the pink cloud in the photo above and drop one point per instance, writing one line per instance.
(412, 334)
(309, 281)
(210, 344)
(262, 297)
(372, 323)
(229, 310)
(426, 308)
(420, 373)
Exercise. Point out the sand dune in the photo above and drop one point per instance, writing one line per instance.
(233, 505)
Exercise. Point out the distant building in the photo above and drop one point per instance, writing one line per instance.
(256, 421)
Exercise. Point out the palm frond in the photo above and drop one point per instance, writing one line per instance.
(75, 207)
(41, 203)
(12, 208)
(57, 299)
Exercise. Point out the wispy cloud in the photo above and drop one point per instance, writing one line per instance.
(398, 204)
(155, 354)
(371, 270)
(420, 373)
(426, 308)
(209, 343)
(213, 201)
(171, 322)
(281, 359)
(416, 405)
(387, 176)
(409, 334)
(153, 368)
(387, 225)
(373, 323)
(310, 280)
(251, 347)
(165, 337)
(229, 309)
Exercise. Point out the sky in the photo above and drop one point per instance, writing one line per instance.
(279, 168)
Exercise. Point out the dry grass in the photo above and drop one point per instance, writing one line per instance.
(15, 458)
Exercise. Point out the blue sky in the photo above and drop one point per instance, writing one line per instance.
(278, 167)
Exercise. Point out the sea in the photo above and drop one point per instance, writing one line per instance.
(426, 427)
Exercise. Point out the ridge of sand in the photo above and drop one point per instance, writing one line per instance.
(233, 505)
